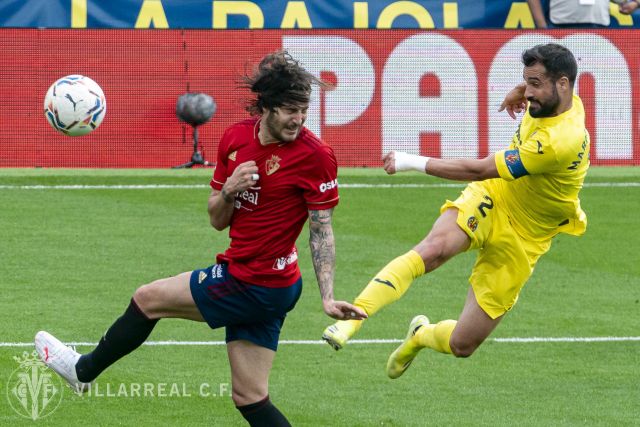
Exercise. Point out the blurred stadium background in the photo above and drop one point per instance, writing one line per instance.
(429, 92)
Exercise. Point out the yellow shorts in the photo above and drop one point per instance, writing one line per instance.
(505, 260)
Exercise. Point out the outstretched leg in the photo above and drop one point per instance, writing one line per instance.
(445, 240)
(169, 297)
(459, 338)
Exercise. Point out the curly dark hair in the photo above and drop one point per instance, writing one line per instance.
(557, 60)
(278, 80)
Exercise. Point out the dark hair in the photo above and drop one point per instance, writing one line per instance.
(278, 80)
(557, 60)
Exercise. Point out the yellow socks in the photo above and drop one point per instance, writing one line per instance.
(386, 287)
(391, 282)
(436, 336)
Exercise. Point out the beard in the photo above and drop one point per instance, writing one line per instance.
(545, 108)
(279, 130)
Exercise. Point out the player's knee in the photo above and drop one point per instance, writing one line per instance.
(462, 348)
(243, 396)
(432, 251)
(146, 299)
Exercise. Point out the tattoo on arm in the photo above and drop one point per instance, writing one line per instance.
(323, 250)
(226, 196)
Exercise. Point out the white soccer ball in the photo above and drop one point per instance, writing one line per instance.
(75, 105)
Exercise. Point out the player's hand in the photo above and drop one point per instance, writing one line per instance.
(244, 176)
(342, 310)
(515, 101)
(628, 7)
(390, 162)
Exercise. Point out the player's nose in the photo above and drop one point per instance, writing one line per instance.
(299, 118)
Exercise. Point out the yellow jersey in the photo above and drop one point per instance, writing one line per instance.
(542, 173)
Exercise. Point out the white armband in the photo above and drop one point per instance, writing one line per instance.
(407, 162)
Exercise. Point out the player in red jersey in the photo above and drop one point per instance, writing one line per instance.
(271, 175)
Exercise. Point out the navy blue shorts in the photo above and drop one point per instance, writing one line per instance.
(248, 312)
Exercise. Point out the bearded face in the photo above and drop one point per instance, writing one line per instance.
(284, 123)
(541, 92)
(544, 106)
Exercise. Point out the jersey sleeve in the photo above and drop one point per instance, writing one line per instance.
(320, 180)
(534, 156)
(220, 171)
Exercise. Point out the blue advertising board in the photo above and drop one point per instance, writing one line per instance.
(275, 14)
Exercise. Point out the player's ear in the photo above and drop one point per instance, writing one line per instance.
(563, 84)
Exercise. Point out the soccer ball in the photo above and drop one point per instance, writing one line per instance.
(75, 105)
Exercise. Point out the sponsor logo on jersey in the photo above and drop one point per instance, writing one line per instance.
(232, 156)
(216, 271)
(328, 185)
(249, 195)
(272, 164)
(282, 262)
(201, 277)
(472, 223)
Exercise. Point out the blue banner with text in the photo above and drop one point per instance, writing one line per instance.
(276, 14)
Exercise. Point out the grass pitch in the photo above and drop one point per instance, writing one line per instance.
(72, 256)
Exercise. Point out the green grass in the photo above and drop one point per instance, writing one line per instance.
(70, 260)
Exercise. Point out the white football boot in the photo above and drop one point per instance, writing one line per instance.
(61, 358)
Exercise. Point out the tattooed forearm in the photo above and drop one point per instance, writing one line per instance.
(323, 250)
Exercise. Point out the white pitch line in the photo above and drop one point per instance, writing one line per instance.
(565, 339)
(104, 187)
(203, 186)
(612, 184)
(361, 342)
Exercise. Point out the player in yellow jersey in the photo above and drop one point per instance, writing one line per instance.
(518, 200)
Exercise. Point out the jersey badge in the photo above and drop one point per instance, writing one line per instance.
(232, 156)
(272, 164)
(512, 157)
(539, 147)
(514, 163)
(472, 223)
